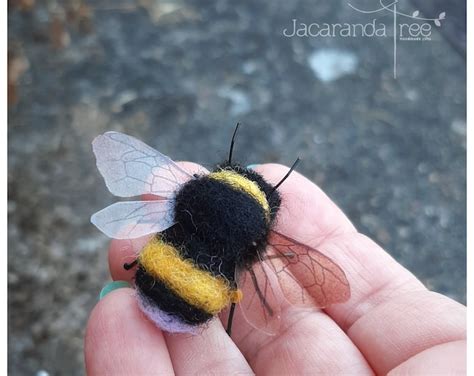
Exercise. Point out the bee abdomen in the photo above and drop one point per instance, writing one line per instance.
(164, 307)
(177, 286)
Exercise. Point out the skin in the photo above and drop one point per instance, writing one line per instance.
(391, 324)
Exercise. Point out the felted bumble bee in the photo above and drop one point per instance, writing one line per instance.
(213, 237)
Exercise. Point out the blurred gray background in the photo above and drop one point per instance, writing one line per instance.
(179, 75)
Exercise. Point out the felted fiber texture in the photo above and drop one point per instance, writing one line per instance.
(220, 226)
(167, 301)
(241, 183)
(197, 287)
(273, 196)
(162, 319)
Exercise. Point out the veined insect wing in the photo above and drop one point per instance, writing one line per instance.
(134, 219)
(261, 304)
(132, 168)
(306, 276)
(289, 273)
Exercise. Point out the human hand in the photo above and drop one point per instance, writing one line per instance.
(391, 324)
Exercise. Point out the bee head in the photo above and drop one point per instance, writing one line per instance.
(271, 195)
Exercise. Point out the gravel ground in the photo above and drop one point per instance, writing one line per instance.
(179, 75)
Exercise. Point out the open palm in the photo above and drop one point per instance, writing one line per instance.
(391, 323)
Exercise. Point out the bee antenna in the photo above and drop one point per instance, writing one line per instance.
(287, 174)
(232, 143)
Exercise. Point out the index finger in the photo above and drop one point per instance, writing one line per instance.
(186, 352)
(390, 316)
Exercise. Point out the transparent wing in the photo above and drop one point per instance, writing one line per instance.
(260, 305)
(289, 272)
(132, 168)
(132, 219)
(305, 275)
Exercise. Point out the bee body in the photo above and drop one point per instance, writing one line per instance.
(213, 236)
(222, 224)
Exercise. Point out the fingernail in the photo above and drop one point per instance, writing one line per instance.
(113, 286)
(252, 166)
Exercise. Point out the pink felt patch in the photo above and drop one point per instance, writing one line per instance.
(163, 320)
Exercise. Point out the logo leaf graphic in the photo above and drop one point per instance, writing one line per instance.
(437, 23)
(416, 13)
(442, 16)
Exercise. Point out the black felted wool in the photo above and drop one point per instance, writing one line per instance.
(167, 300)
(220, 228)
(273, 197)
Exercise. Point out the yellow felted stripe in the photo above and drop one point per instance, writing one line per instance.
(241, 183)
(195, 286)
